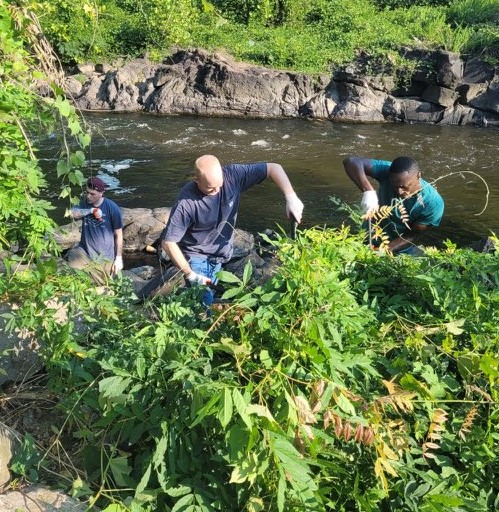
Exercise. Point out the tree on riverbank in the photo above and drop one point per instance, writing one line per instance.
(25, 115)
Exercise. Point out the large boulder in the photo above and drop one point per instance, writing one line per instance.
(141, 228)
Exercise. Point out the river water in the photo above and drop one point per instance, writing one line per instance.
(145, 159)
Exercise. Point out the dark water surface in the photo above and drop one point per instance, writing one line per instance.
(146, 159)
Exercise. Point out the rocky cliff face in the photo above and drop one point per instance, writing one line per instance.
(443, 88)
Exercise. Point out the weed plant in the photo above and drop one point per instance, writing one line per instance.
(349, 381)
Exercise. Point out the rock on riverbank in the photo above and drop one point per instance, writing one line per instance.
(444, 88)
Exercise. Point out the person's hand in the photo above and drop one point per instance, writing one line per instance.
(97, 213)
(294, 207)
(369, 203)
(195, 279)
(118, 264)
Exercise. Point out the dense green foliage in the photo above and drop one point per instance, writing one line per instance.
(24, 222)
(348, 382)
(303, 36)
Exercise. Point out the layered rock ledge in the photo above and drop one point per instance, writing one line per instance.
(443, 88)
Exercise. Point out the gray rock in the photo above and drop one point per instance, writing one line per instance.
(366, 90)
(440, 95)
(39, 499)
(19, 350)
(8, 440)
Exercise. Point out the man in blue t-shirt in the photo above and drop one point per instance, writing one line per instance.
(99, 251)
(198, 235)
(417, 205)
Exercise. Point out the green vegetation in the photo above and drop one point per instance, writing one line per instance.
(24, 114)
(292, 34)
(347, 382)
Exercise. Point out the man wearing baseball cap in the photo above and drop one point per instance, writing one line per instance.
(99, 251)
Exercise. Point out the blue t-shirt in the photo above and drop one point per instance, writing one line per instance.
(425, 207)
(97, 236)
(203, 225)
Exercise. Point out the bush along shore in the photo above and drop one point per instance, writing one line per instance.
(339, 383)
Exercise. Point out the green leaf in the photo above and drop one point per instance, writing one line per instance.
(344, 403)
(115, 507)
(232, 292)
(112, 387)
(77, 159)
(294, 465)
(144, 480)
(225, 407)
(227, 277)
(181, 504)
(80, 489)
(240, 405)
(260, 410)
(247, 470)
(120, 470)
(248, 271)
(281, 491)
(63, 106)
(63, 168)
(207, 409)
(455, 326)
(84, 140)
(266, 359)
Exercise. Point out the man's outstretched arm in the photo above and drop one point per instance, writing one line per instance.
(409, 238)
(358, 169)
(294, 207)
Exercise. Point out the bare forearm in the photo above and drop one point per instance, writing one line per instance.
(277, 174)
(118, 242)
(409, 238)
(399, 243)
(358, 170)
(177, 256)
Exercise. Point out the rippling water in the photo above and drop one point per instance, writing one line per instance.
(145, 159)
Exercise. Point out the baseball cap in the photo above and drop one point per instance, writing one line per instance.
(96, 184)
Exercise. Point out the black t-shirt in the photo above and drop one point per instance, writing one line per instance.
(203, 225)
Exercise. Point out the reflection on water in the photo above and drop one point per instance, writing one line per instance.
(145, 159)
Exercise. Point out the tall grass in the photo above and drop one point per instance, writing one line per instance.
(473, 12)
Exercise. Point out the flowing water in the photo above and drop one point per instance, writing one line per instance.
(145, 160)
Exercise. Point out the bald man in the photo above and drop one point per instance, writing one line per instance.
(199, 234)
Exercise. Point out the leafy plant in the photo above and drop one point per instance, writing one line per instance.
(26, 458)
(344, 367)
(25, 226)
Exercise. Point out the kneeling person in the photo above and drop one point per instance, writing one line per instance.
(199, 234)
(417, 206)
(99, 251)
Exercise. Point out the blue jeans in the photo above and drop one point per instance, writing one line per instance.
(205, 267)
(410, 251)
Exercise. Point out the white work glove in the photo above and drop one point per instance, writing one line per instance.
(369, 202)
(97, 213)
(195, 279)
(294, 207)
(118, 264)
